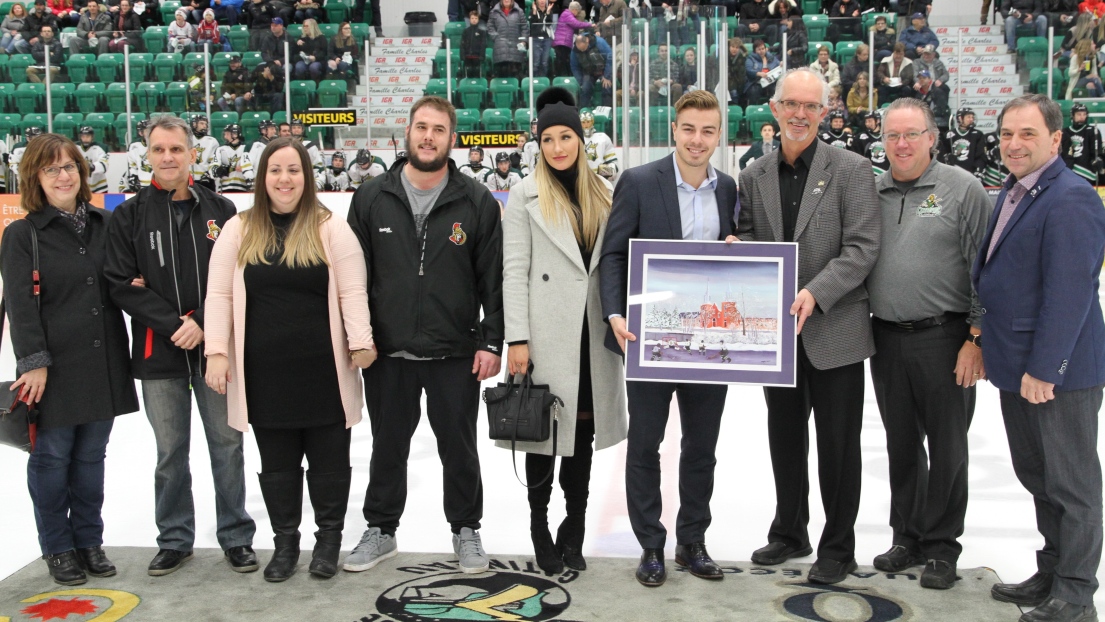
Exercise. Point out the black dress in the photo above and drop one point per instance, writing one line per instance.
(585, 401)
(290, 374)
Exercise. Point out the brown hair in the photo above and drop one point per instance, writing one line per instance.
(700, 99)
(899, 47)
(345, 41)
(303, 243)
(42, 151)
(437, 103)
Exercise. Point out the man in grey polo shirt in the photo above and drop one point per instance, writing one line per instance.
(926, 319)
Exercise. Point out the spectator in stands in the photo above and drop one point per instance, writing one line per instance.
(258, 16)
(272, 44)
(473, 46)
(227, 10)
(738, 71)
(659, 71)
(542, 27)
(797, 42)
(195, 8)
(45, 41)
(779, 10)
(13, 27)
(894, 76)
(926, 91)
(507, 29)
(208, 32)
(1062, 13)
(307, 9)
(1096, 7)
(197, 89)
(836, 104)
(341, 55)
(1083, 29)
(181, 34)
(688, 73)
(33, 24)
(754, 23)
(857, 98)
(268, 89)
(127, 29)
(64, 10)
(237, 83)
(852, 68)
(593, 61)
(1083, 70)
(826, 67)
(844, 19)
(93, 31)
(884, 38)
(570, 22)
(917, 36)
(611, 14)
(935, 67)
(757, 67)
(632, 80)
(1017, 12)
(311, 52)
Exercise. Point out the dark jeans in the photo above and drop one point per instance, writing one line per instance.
(836, 398)
(563, 60)
(1054, 451)
(700, 409)
(919, 399)
(65, 476)
(393, 390)
(326, 448)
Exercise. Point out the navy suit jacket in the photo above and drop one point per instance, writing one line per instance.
(1039, 290)
(646, 206)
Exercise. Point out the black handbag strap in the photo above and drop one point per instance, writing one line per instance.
(36, 283)
(552, 465)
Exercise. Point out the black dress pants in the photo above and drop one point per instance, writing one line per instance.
(700, 409)
(393, 390)
(836, 398)
(326, 448)
(918, 399)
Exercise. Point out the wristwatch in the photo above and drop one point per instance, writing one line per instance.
(977, 340)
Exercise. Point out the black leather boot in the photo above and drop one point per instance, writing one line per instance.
(283, 493)
(330, 498)
(575, 479)
(537, 468)
(65, 568)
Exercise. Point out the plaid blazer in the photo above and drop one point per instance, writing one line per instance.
(837, 232)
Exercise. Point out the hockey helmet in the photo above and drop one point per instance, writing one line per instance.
(339, 156)
(234, 130)
(197, 130)
(962, 113)
(364, 156)
(86, 130)
(297, 123)
(1075, 109)
(587, 120)
(32, 131)
(502, 156)
(265, 124)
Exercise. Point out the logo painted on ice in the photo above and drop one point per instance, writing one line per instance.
(806, 605)
(490, 596)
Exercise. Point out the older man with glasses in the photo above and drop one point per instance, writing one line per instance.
(824, 200)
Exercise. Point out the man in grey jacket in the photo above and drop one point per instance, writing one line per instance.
(926, 322)
(93, 31)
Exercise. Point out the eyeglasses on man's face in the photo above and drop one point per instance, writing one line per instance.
(792, 107)
(910, 137)
(54, 171)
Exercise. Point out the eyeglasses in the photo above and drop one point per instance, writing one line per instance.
(792, 107)
(54, 171)
(910, 137)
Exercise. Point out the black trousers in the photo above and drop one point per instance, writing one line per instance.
(1054, 451)
(836, 398)
(700, 409)
(326, 448)
(918, 399)
(393, 390)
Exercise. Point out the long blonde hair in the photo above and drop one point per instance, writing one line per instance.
(594, 199)
(303, 242)
(311, 29)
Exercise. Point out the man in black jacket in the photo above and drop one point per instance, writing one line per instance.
(272, 43)
(163, 237)
(432, 241)
(32, 26)
(46, 41)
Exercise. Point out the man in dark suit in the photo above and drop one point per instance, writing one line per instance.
(823, 199)
(678, 197)
(1037, 278)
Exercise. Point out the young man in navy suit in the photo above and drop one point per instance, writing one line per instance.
(1037, 279)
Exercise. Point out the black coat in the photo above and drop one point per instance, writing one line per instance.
(81, 329)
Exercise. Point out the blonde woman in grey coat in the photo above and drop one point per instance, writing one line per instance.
(552, 233)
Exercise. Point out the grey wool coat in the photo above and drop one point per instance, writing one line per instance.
(545, 290)
(506, 30)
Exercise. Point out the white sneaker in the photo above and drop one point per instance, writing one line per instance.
(469, 549)
(373, 548)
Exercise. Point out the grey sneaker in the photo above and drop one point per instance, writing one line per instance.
(373, 548)
(469, 549)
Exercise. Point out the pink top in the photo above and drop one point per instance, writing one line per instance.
(225, 313)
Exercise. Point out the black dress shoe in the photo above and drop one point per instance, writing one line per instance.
(651, 571)
(95, 562)
(694, 557)
(1055, 610)
(167, 561)
(897, 559)
(1029, 593)
(938, 575)
(65, 569)
(829, 571)
(777, 553)
(242, 559)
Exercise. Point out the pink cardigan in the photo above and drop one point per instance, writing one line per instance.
(225, 313)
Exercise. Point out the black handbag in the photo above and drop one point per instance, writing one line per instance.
(522, 412)
(18, 418)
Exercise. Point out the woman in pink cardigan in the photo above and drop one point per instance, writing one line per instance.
(286, 328)
(569, 23)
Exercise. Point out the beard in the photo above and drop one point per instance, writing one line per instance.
(426, 166)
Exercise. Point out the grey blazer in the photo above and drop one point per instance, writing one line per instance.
(837, 232)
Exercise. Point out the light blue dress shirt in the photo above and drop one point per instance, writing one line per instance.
(698, 207)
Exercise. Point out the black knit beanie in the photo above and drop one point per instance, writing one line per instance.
(556, 106)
